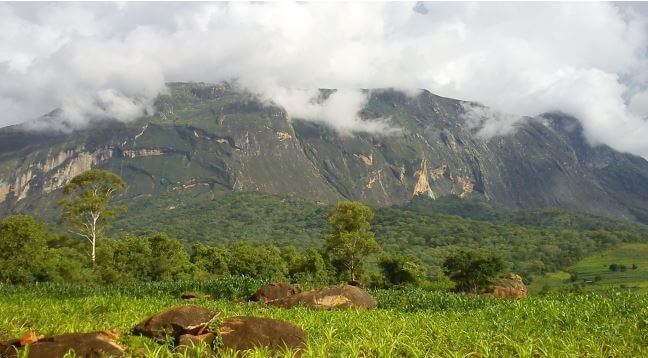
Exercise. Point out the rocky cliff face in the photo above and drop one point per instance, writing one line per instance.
(214, 137)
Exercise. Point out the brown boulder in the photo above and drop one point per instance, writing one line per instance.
(241, 333)
(275, 291)
(186, 342)
(177, 321)
(191, 340)
(509, 285)
(189, 296)
(97, 344)
(332, 297)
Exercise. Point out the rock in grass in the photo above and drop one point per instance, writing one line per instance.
(275, 291)
(29, 338)
(191, 340)
(186, 342)
(176, 321)
(97, 344)
(189, 296)
(509, 285)
(241, 333)
(332, 297)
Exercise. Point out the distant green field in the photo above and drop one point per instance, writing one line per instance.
(408, 323)
(591, 267)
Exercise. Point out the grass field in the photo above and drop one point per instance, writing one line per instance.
(408, 323)
(598, 265)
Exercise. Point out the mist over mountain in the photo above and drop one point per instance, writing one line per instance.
(111, 60)
(219, 138)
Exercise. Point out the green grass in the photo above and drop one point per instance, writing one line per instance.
(598, 265)
(408, 323)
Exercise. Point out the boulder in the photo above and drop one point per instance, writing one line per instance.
(186, 342)
(332, 297)
(241, 333)
(176, 321)
(275, 291)
(189, 296)
(509, 285)
(97, 344)
(191, 340)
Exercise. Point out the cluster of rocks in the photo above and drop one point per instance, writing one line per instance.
(190, 325)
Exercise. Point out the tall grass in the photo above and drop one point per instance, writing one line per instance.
(408, 323)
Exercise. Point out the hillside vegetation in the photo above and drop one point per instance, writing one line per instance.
(534, 241)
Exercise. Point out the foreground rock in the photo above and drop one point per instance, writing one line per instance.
(241, 333)
(275, 291)
(174, 322)
(191, 340)
(98, 344)
(509, 285)
(186, 342)
(332, 297)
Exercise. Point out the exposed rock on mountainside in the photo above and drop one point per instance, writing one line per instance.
(216, 137)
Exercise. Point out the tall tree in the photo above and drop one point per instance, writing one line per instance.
(350, 239)
(472, 271)
(401, 269)
(86, 206)
(23, 249)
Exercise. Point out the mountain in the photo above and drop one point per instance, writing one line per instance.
(213, 139)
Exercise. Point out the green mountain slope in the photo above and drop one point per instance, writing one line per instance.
(593, 272)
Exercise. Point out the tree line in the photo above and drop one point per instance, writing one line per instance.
(530, 242)
(29, 252)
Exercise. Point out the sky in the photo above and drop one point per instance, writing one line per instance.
(110, 60)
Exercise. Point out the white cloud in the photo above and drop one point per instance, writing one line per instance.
(585, 59)
(340, 109)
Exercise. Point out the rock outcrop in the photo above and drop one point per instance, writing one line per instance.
(333, 297)
(509, 285)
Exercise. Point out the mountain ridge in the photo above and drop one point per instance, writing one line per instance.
(222, 139)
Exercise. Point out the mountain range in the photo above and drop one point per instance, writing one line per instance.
(216, 138)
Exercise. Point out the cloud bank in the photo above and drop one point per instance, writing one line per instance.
(110, 60)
